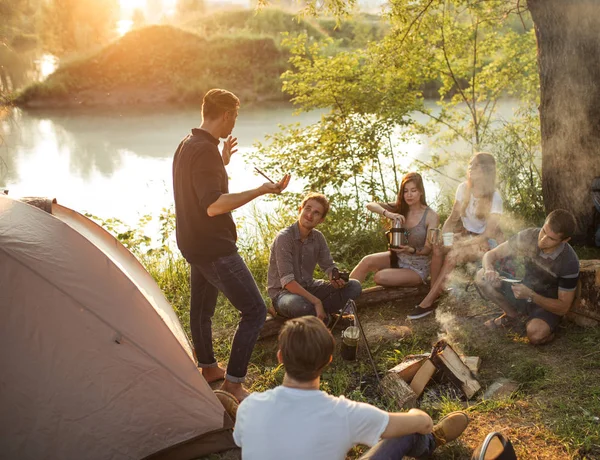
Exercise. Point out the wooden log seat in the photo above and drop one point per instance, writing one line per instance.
(586, 307)
(369, 297)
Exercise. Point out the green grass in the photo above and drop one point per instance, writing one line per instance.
(553, 414)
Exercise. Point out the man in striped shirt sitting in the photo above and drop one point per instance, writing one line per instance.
(551, 270)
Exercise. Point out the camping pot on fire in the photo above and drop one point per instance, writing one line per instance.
(397, 236)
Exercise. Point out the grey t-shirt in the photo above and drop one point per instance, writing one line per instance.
(293, 259)
(545, 273)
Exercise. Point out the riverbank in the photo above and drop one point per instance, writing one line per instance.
(175, 65)
(142, 68)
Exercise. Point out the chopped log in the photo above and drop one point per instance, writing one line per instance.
(407, 369)
(587, 299)
(446, 359)
(473, 363)
(379, 294)
(397, 389)
(271, 327)
(422, 377)
(581, 320)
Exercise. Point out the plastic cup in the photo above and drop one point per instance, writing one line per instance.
(448, 239)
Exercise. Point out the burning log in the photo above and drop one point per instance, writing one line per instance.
(414, 369)
(422, 377)
(397, 389)
(473, 363)
(407, 369)
(448, 361)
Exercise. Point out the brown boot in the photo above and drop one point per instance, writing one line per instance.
(450, 427)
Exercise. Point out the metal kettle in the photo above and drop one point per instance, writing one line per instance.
(397, 236)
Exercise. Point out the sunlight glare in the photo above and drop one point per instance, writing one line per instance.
(124, 26)
(169, 7)
(132, 4)
(47, 65)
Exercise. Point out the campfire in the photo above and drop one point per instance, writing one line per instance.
(406, 382)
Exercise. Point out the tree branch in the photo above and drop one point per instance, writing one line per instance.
(449, 66)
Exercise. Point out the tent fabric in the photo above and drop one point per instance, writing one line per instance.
(95, 363)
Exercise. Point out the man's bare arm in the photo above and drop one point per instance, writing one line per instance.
(402, 424)
(494, 255)
(452, 219)
(229, 201)
(558, 306)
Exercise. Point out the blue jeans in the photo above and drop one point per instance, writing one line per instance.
(230, 275)
(333, 299)
(413, 445)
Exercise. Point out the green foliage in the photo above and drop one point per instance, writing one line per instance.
(352, 146)
(474, 56)
(18, 16)
(355, 31)
(190, 7)
(517, 147)
(270, 22)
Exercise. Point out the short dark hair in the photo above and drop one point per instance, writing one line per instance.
(218, 101)
(319, 198)
(563, 222)
(306, 347)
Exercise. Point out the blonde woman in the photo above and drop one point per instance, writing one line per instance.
(474, 221)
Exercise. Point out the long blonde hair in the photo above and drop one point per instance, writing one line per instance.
(484, 203)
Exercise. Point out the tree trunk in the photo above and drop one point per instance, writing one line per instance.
(569, 67)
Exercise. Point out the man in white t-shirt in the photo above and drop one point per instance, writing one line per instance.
(298, 421)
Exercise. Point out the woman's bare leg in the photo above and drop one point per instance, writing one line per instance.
(394, 277)
(437, 260)
(370, 263)
(438, 286)
(453, 258)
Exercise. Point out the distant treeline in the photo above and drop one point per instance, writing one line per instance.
(240, 50)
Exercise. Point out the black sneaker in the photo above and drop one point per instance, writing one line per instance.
(420, 312)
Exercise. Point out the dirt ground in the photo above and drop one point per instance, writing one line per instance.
(553, 414)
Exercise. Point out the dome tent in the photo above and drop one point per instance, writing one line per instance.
(95, 363)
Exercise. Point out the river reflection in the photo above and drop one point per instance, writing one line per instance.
(115, 163)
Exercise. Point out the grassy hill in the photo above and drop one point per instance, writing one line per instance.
(162, 64)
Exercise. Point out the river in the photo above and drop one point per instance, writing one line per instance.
(117, 164)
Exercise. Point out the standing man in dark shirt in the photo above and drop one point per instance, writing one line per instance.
(206, 236)
(548, 287)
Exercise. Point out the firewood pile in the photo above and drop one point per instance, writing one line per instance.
(406, 382)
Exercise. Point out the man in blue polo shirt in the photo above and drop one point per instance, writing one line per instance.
(551, 273)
